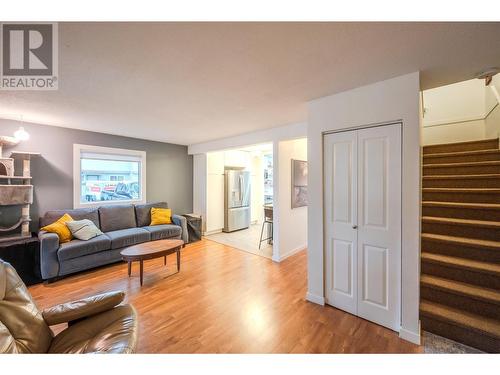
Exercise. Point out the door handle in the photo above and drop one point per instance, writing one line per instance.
(240, 179)
(354, 227)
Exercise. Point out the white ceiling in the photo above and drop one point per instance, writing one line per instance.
(192, 82)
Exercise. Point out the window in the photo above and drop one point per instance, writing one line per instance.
(109, 175)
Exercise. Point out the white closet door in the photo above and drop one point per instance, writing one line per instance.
(379, 224)
(340, 157)
(362, 176)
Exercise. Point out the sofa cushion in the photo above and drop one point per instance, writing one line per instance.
(116, 217)
(162, 231)
(127, 237)
(90, 261)
(77, 214)
(83, 229)
(143, 212)
(78, 248)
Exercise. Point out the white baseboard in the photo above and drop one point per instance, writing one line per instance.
(290, 253)
(294, 251)
(320, 300)
(212, 232)
(413, 337)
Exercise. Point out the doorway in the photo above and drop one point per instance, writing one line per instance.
(362, 174)
(226, 172)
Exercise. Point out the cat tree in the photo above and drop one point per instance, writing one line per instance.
(15, 190)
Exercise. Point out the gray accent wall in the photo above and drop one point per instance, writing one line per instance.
(169, 167)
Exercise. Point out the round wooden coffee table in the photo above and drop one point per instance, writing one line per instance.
(152, 250)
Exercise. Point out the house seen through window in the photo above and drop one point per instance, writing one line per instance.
(108, 176)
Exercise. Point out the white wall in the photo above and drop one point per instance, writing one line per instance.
(396, 99)
(492, 122)
(460, 112)
(458, 102)
(215, 192)
(292, 221)
(291, 131)
(456, 132)
(200, 187)
(237, 159)
(491, 98)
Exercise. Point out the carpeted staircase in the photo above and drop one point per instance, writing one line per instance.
(460, 261)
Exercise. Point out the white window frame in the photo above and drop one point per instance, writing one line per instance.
(111, 154)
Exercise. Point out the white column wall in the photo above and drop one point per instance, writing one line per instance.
(200, 187)
(396, 99)
(292, 221)
(215, 192)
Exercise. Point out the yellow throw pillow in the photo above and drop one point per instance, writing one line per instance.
(59, 227)
(161, 216)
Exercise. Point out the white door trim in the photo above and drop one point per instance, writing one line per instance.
(360, 127)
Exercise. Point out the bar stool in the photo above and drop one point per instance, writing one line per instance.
(268, 220)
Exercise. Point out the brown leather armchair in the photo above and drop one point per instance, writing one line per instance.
(97, 324)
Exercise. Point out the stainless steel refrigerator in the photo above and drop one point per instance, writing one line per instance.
(236, 200)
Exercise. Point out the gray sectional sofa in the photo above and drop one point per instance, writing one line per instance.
(122, 225)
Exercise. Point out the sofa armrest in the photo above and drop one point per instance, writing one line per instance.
(71, 311)
(182, 222)
(49, 263)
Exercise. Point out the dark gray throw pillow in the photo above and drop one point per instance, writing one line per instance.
(83, 229)
(143, 212)
(116, 216)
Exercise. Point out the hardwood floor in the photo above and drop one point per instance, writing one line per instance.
(226, 301)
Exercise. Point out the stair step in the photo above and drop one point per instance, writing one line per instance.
(476, 299)
(476, 206)
(489, 327)
(484, 144)
(455, 287)
(471, 329)
(482, 229)
(462, 264)
(462, 156)
(480, 273)
(470, 242)
(462, 247)
(462, 176)
(462, 181)
(464, 190)
(480, 167)
(464, 164)
(461, 210)
(462, 222)
(465, 195)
